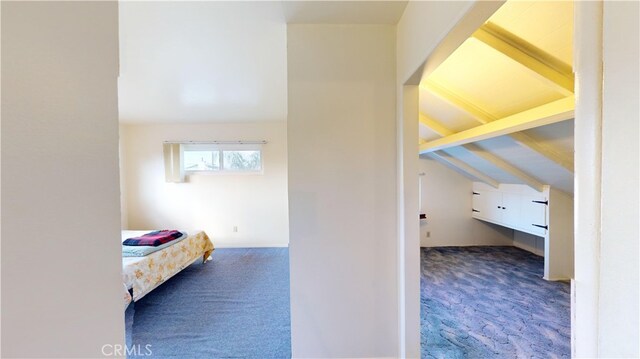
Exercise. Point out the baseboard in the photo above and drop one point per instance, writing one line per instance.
(470, 245)
(250, 245)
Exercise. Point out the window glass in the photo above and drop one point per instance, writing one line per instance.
(201, 160)
(242, 160)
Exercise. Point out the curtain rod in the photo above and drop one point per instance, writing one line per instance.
(239, 142)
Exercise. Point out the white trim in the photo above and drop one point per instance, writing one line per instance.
(222, 147)
(219, 245)
(588, 54)
(238, 142)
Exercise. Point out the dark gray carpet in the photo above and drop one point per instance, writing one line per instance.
(236, 306)
(491, 302)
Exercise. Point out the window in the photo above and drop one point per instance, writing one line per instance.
(222, 158)
(201, 160)
(242, 160)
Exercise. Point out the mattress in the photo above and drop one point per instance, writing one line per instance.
(143, 274)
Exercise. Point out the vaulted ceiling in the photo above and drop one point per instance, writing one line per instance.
(499, 109)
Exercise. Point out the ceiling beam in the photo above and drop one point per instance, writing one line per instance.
(464, 167)
(505, 166)
(542, 65)
(435, 125)
(484, 117)
(547, 151)
(477, 151)
(477, 14)
(556, 111)
(479, 114)
(520, 138)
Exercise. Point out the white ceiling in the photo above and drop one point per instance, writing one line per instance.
(343, 12)
(226, 61)
(202, 62)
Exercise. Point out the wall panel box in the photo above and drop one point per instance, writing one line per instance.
(547, 214)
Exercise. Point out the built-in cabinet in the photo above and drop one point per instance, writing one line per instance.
(547, 214)
(525, 212)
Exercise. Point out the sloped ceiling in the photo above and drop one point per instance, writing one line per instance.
(490, 80)
(479, 83)
(547, 25)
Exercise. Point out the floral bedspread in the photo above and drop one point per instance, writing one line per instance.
(127, 297)
(143, 274)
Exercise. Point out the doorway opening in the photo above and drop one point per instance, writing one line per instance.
(496, 131)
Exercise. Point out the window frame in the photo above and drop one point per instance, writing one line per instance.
(221, 149)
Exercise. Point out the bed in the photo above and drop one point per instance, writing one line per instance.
(141, 275)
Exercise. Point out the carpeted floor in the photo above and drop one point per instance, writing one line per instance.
(491, 302)
(236, 306)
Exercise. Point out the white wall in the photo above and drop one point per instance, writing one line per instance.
(342, 190)
(124, 214)
(619, 335)
(605, 289)
(202, 61)
(215, 203)
(446, 200)
(421, 28)
(61, 272)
